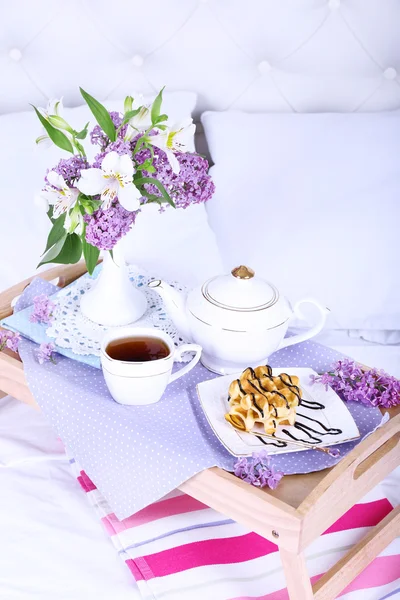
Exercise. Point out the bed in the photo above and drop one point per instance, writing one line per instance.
(284, 61)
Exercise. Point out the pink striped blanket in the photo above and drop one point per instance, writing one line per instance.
(180, 549)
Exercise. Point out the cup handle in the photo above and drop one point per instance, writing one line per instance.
(306, 335)
(178, 356)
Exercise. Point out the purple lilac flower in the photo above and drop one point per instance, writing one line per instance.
(120, 147)
(43, 310)
(71, 168)
(258, 470)
(105, 227)
(9, 339)
(99, 138)
(45, 353)
(192, 185)
(373, 387)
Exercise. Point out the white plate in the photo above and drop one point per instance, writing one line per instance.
(213, 396)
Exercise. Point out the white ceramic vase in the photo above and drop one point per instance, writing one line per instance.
(113, 299)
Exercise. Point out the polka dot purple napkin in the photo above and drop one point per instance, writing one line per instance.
(137, 454)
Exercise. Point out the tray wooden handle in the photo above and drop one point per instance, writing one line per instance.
(374, 458)
(64, 273)
(12, 376)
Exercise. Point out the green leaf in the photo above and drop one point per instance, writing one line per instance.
(159, 185)
(57, 137)
(151, 197)
(145, 166)
(128, 104)
(141, 141)
(67, 251)
(101, 115)
(88, 205)
(156, 106)
(91, 255)
(56, 232)
(54, 251)
(79, 147)
(50, 214)
(162, 118)
(81, 135)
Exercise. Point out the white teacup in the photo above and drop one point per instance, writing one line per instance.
(143, 382)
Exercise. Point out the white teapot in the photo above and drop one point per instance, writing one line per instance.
(238, 319)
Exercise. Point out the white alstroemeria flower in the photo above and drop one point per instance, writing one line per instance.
(113, 180)
(58, 194)
(54, 107)
(139, 123)
(174, 139)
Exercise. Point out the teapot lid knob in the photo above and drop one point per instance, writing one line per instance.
(243, 272)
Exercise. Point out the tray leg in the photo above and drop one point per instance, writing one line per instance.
(358, 558)
(297, 579)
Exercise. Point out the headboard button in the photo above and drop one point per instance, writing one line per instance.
(264, 67)
(390, 73)
(15, 54)
(137, 60)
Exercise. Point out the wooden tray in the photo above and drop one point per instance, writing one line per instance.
(293, 515)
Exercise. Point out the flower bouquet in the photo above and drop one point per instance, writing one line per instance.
(141, 160)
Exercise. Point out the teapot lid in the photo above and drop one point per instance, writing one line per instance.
(240, 291)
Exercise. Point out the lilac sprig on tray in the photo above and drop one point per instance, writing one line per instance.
(43, 310)
(258, 470)
(372, 388)
(9, 339)
(45, 353)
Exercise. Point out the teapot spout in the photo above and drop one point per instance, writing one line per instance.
(175, 303)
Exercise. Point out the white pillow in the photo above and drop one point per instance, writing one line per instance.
(176, 244)
(312, 202)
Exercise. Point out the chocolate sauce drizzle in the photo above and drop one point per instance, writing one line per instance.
(309, 431)
(254, 386)
(305, 429)
(277, 443)
(240, 387)
(330, 430)
(256, 405)
(312, 405)
(268, 391)
(295, 389)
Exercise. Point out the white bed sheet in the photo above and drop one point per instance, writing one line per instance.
(52, 545)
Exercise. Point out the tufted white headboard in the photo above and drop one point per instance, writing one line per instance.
(270, 55)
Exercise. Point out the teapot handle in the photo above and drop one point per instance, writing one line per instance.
(306, 335)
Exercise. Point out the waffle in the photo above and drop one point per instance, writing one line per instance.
(259, 397)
